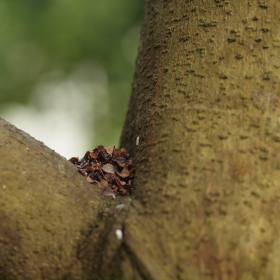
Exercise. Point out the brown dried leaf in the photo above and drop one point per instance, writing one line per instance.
(124, 152)
(95, 166)
(108, 168)
(100, 147)
(94, 154)
(88, 169)
(120, 182)
(99, 170)
(106, 191)
(103, 184)
(90, 180)
(120, 161)
(96, 176)
(110, 149)
(74, 159)
(116, 152)
(110, 177)
(87, 155)
(125, 173)
(104, 156)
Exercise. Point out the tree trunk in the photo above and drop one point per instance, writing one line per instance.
(205, 110)
(203, 127)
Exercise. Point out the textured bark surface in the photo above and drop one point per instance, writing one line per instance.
(50, 216)
(205, 106)
(205, 111)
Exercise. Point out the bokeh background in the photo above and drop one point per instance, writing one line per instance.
(66, 69)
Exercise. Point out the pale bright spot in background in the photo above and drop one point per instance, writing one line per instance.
(60, 112)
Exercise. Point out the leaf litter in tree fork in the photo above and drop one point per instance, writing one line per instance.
(111, 168)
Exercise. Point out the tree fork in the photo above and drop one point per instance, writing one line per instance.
(204, 113)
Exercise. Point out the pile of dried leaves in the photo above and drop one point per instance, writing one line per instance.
(110, 168)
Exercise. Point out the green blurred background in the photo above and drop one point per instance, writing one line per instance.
(66, 69)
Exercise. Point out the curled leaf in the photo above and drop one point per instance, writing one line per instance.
(74, 160)
(110, 149)
(125, 173)
(94, 154)
(108, 168)
(90, 180)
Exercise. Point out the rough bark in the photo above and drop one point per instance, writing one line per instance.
(205, 106)
(51, 218)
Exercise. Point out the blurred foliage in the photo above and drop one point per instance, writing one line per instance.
(40, 36)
